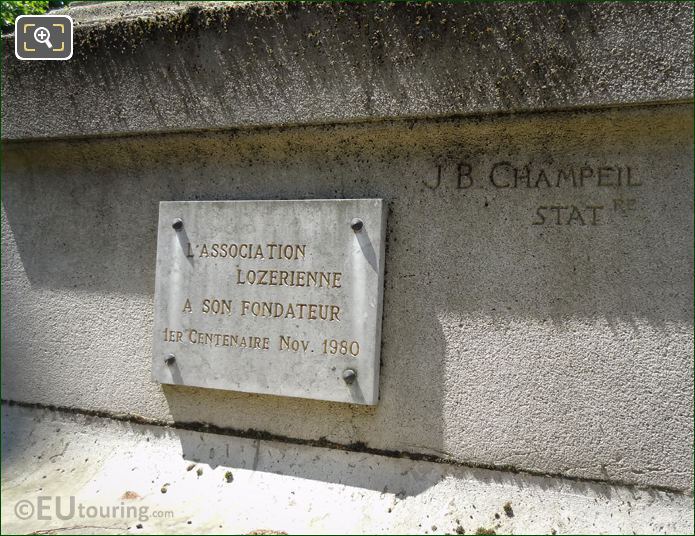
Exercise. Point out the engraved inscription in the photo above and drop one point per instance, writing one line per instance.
(271, 310)
(251, 297)
(506, 176)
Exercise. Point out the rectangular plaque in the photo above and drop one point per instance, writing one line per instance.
(276, 297)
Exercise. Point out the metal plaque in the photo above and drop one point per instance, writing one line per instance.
(276, 297)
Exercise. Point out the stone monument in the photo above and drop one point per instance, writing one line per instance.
(365, 267)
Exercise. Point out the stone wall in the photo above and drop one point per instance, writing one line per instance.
(537, 163)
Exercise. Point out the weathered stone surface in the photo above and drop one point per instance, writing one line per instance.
(148, 68)
(295, 489)
(275, 297)
(554, 348)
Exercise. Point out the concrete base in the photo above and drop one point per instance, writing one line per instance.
(151, 479)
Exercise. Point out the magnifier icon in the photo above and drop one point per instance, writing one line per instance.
(42, 35)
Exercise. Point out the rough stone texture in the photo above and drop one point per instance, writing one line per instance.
(289, 488)
(143, 68)
(558, 349)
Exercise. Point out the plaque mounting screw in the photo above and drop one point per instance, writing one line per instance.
(349, 376)
(170, 359)
(356, 224)
(177, 224)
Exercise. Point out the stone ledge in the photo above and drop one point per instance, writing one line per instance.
(140, 69)
(221, 484)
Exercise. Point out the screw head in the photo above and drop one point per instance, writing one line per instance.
(349, 376)
(356, 224)
(169, 359)
(177, 224)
